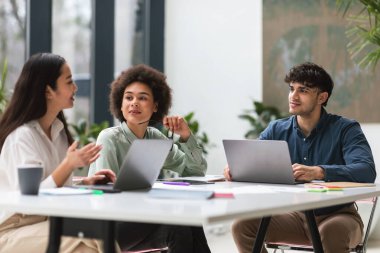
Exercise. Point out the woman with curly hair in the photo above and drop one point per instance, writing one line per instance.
(141, 97)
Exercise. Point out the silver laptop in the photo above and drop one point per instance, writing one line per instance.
(141, 166)
(259, 161)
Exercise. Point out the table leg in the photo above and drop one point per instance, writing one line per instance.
(261, 234)
(109, 237)
(55, 232)
(104, 230)
(314, 232)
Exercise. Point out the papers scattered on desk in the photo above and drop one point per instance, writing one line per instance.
(180, 194)
(208, 179)
(340, 184)
(187, 187)
(64, 191)
(257, 189)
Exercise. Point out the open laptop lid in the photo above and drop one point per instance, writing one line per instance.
(140, 168)
(142, 164)
(259, 161)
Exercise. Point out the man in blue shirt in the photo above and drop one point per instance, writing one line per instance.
(322, 146)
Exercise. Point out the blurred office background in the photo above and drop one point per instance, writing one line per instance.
(219, 56)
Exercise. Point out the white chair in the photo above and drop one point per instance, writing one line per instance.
(360, 248)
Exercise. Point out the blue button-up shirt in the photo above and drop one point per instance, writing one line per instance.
(337, 145)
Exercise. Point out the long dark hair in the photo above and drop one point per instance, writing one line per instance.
(28, 101)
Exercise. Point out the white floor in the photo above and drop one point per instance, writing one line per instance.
(220, 241)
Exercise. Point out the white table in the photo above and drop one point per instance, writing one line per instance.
(138, 207)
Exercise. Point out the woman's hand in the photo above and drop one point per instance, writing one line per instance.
(75, 158)
(82, 157)
(227, 173)
(177, 125)
(101, 177)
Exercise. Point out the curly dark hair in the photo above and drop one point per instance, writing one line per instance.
(153, 78)
(311, 75)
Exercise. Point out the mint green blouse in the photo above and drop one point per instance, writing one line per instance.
(184, 161)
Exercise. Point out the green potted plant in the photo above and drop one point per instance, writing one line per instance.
(259, 118)
(201, 137)
(364, 32)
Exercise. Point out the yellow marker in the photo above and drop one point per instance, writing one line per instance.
(334, 189)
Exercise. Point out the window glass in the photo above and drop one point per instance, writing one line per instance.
(129, 37)
(12, 38)
(72, 39)
(71, 32)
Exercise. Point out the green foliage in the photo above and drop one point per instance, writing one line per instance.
(364, 33)
(201, 138)
(3, 90)
(84, 133)
(259, 118)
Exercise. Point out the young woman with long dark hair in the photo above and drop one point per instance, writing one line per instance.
(33, 130)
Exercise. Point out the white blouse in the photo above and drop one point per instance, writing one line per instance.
(28, 144)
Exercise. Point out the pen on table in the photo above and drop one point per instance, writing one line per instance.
(176, 183)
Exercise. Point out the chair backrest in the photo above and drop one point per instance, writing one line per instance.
(360, 248)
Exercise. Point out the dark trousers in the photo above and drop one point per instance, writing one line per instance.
(179, 239)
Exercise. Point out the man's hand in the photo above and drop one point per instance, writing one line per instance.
(307, 173)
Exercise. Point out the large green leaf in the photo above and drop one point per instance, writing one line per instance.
(364, 31)
(86, 133)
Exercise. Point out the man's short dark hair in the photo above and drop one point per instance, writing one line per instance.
(311, 75)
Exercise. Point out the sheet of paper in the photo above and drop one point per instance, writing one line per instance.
(64, 191)
(207, 178)
(259, 189)
(341, 184)
(161, 185)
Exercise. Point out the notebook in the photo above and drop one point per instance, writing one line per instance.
(140, 168)
(259, 161)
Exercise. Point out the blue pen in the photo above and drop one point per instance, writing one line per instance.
(176, 183)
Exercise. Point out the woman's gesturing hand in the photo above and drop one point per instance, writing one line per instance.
(83, 156)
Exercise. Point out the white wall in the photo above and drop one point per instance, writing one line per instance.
(213, 60)
(372, 132)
